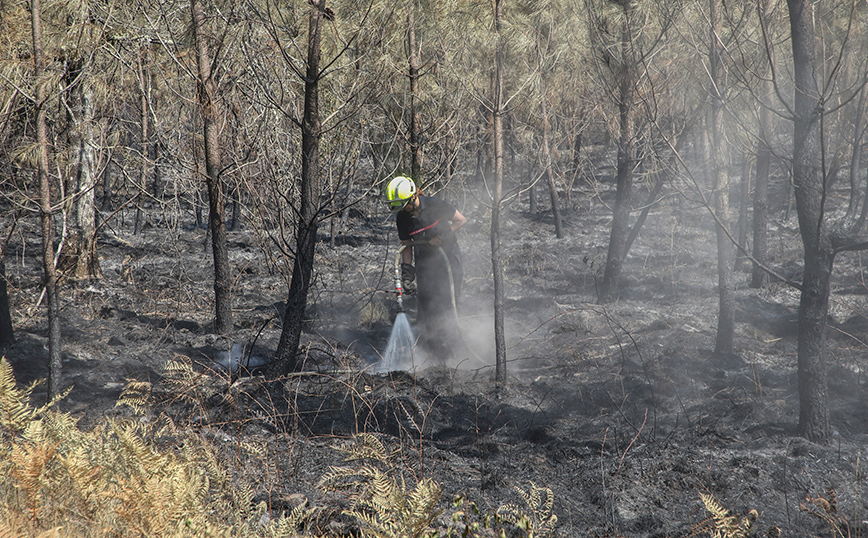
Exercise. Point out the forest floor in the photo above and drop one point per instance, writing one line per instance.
(621, 410)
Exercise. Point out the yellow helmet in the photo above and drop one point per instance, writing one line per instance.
(399, 191)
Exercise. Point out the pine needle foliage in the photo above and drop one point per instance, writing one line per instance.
(384, 506)
(722, 523)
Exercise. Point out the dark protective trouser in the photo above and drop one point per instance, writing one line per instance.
(436, 314)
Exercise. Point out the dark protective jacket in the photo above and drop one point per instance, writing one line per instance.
(432, 273)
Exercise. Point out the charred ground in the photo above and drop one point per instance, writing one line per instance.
(622, 410)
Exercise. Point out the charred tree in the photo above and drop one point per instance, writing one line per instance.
(80, 115)
(311, 131)
(7, 333)
(141, 71)
(415, 118)
(496, 256)
(761, 199)
(818, 248)
(546, 148)
(55, 364)
(724, 341)
(207, 101)
(609, 287)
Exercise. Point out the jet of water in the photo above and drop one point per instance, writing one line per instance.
(399, 351)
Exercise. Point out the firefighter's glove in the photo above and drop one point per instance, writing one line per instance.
(408, 273)
(435, 241)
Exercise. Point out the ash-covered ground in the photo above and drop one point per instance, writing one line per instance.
(621, 409)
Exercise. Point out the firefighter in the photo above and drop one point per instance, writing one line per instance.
(430, 224)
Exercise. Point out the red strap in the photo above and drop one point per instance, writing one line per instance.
(425, 228)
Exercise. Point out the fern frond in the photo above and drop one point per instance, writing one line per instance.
(722, 524)
(364, 445)
(538, 519)
(137, 396)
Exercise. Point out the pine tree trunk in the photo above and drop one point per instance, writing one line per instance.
(724, 342)
(415, 119)
(207, 99)
(7, 333)
(547, 155)
(311, 130)
(496, 261)
(819, 254)
(610, 285)
(82, 144)
(55, 364)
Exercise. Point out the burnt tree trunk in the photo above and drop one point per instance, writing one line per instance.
(818, 250)
(609, 287)
(415, 119)
(81, 144)
(311, 130)
(55, 364)
(724, 341)
(547, 156)
(496, 260)
(207, 100)
(143, 121)
(7, 333)
(761, 199)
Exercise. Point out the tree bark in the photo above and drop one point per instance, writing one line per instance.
(818, 249)
(144, 121)
(761, 198)
(7, 333)
(547, 155)
(415, 119)
(724, 341)
(311, 130)
(496, 261)
(610, 285)
(55, 364)
(207, 100)
(83, 148)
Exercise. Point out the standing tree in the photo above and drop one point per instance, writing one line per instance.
(55, 364)
(308, 211)
(820, 238)
(7, 333)
(81, 44)
(497, 110)
(627, 73)
(211, 117)
(725, 252)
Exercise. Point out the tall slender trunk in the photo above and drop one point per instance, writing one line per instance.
(7, 333)
(547, 155)
(81, 117)
(624, 189)
(761, 197)
(141, 69)
(415, 118)
(496, 261)
(724, 342)
(207, 98)
(856, 153)
(55, 364)
(303, 266)
(819, 254)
